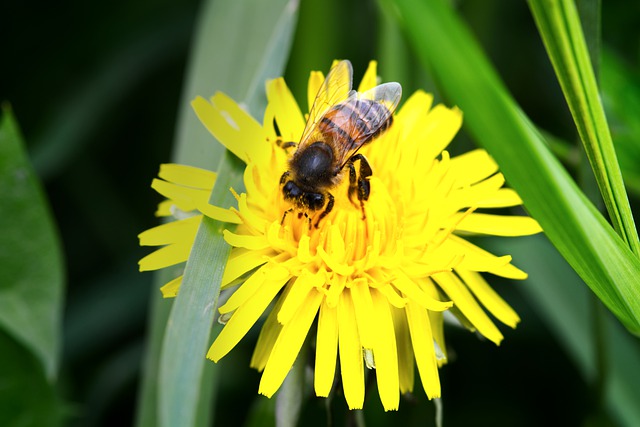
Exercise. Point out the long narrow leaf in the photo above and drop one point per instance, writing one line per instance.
(230, 58)
(572, 224)
(559, 25)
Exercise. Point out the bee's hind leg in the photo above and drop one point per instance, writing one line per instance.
(327, 209)
(359, 185)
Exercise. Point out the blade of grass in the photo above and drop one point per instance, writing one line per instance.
(573, 225)
(188, 329)
(559, 26)
(32, 276)
(225, 57)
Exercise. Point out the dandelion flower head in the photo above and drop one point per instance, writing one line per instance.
(374, 277)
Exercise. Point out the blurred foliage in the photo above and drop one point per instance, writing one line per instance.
(96, 88)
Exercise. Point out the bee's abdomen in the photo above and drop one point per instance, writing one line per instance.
(356, 121)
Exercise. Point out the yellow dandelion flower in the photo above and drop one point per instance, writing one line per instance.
(375, 273)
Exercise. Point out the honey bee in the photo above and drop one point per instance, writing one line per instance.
(340, 122)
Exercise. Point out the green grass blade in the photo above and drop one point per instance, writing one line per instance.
(573, 225)
(147, 408)
(32, 276)
(229, 58)
(560, 28)
(188, 330)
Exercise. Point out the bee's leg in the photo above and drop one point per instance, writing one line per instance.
(287, 144)
(353, 180)
(363, 186)
(327, 209)
(284, 177)
(285, 215)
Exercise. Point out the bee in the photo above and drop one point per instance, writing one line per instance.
(340, 122)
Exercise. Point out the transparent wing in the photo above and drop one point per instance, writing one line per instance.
(365, 116)
(335, 89)
(376, 108)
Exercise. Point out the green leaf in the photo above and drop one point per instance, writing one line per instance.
(238, 46)
(573, 225)
(27, 398)
(559, 25)
(31, 277)
(564, 303)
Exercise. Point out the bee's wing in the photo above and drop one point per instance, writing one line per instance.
(367, 119)
(375, 114)
(335, 89)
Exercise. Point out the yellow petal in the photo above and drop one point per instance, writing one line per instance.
(489, 298)
(334, 264)
(183, 197)
(266, 273)
(300, 289)
(288, 344)
(422, 342)
(414, 110)
(164, 208)
(170, 289)
(326, 350)
(365, 317)
(467, 304)
(370, 78)
(232, 126)
(287, 113)
(242, 261)
(386, 354)
(166, 256)
(183, 230)
(255, 243)
(218, 213)
(315, 83)
(473, 258)
(503, 198)
(480, 257)
(414, 293)
(405, 351)
(438, 129)
(472, 195)
(472, 167)
(499, 225)
(243, 318)
(437, 328)
(268, 334)
(188, 176)
(392, 296)
(350, 351)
